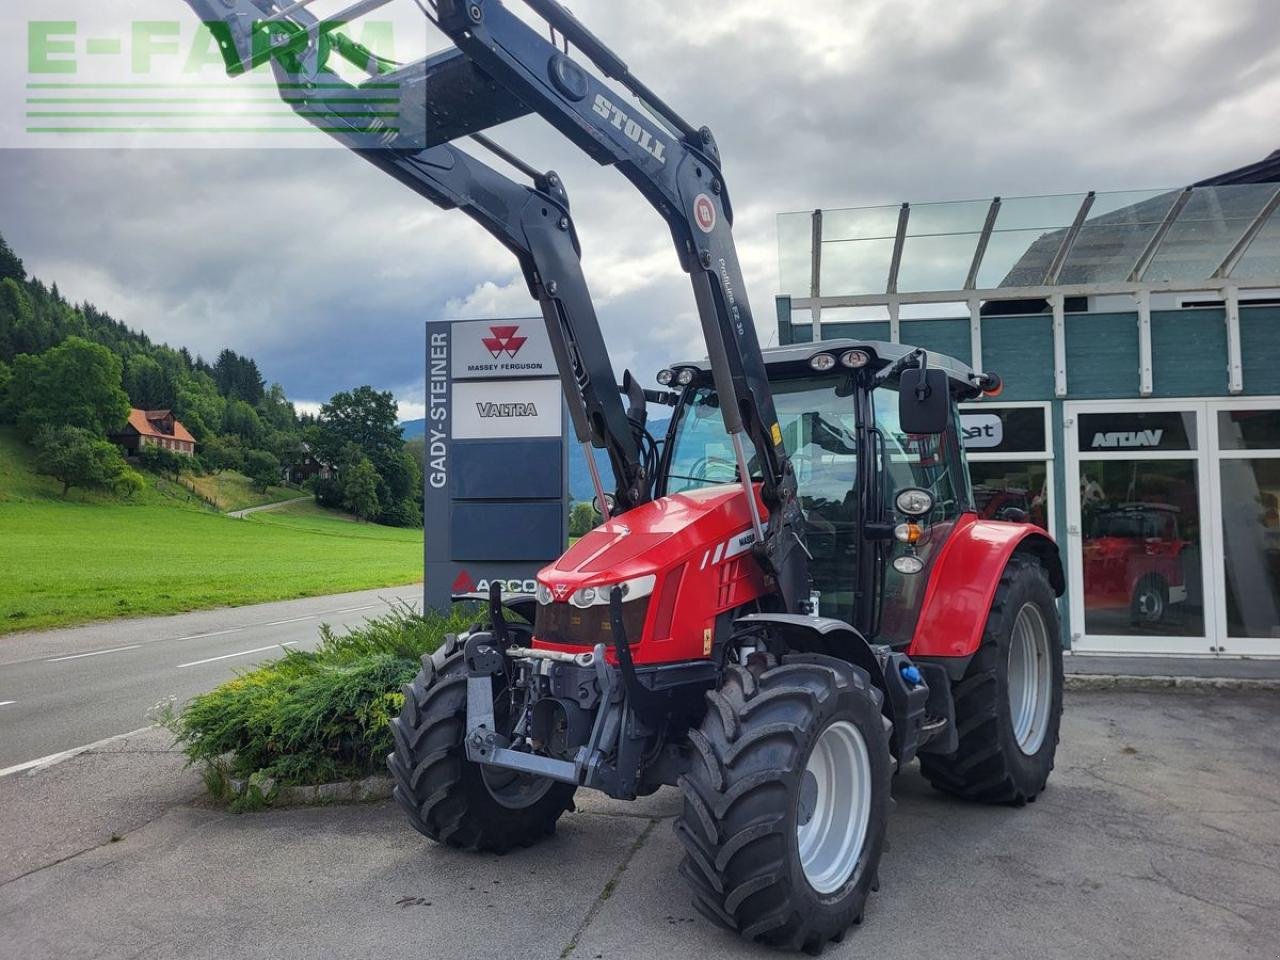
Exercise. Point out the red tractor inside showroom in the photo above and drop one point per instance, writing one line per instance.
(791, 594)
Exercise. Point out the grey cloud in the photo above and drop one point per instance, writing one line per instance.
(326, 270)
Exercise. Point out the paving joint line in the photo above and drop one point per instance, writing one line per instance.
(607, 891)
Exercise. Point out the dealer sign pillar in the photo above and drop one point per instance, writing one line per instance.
(496, 476)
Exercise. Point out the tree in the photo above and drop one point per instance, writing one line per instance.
(147, 384)
(223, 453)
(76, 458)
(77, 384)
(242, 420)
(5, 375)
(262, 468)
(582, 519)
(238, 377)
(360, 489)
(11, 267)
(364, 417)
(162, 461)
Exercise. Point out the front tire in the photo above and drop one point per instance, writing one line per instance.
(447, 797)
(1008, 706)
(786, 803)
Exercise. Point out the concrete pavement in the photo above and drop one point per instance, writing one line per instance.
(63, 689)
(1159, 837)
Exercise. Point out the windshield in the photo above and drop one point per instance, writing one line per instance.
(817, 424)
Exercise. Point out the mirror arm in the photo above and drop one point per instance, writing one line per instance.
(910, 361)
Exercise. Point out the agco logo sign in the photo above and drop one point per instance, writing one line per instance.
(465, 584)
(504, 340)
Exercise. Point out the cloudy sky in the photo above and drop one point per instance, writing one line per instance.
(325, 270)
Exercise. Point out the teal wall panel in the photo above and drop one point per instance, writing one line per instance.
(950, 337)
(1189, 353)
(801, 333)
(855, 331)
(1020, 350)
(1102, 355)
(1260, 349)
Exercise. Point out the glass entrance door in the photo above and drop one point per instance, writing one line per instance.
(1246, 477)
(1137, 537)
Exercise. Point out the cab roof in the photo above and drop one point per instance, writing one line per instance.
(883, 353)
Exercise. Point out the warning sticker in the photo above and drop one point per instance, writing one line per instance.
(704, 212)
(777, 435)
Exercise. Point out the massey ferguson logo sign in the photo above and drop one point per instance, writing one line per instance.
(1127, 439)
(502, 350)
(647, 141)
(504, 340)
(506, 411)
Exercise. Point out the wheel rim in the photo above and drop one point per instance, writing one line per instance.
(835, 807)
(1030, 679)
(1151, 604)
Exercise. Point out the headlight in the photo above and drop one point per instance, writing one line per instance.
(543, 593)
(822, 362)
(914, 502)
(665, 377)
(599, 596)
(908, 565)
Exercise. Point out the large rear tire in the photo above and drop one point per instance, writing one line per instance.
(1009, 703)
(786, 803)
(447, 797)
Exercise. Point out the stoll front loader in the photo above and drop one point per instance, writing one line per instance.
(790, 596)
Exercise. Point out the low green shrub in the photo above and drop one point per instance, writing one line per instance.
(313, 717)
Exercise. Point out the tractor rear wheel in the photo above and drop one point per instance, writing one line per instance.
(1009, 703)
(447, 797)
(786, 803)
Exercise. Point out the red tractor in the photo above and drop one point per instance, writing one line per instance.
(791, 595)
(1133, 561)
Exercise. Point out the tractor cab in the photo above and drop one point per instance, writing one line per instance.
(879, 489)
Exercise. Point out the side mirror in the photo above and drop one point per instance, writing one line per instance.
(924, 402)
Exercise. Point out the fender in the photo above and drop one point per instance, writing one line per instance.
(964, 580)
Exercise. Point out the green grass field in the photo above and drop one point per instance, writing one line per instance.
(89, 557)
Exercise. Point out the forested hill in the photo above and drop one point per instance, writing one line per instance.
(35, 317)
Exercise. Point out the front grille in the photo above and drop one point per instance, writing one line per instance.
(565, 623)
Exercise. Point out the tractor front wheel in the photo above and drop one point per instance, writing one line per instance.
(447, 797)
(786, 803)
(1009, 703)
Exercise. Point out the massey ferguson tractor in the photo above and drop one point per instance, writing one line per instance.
(790, 596)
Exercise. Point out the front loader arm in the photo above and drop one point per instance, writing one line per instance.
(677, 168)
(441, 98)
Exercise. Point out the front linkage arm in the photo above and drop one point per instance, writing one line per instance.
(534, 223)
(677, 168)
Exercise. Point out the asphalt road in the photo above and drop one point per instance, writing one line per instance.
(1159, 837)
(64, 689)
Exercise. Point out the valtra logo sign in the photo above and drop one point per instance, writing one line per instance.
(504, 340)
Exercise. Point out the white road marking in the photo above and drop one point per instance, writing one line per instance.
(53, 758)
(367, 606)
(95, 653)
(276, 623)
(242, 653)
(201, 636)
(5, 703)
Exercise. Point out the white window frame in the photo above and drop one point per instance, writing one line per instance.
(1082, 642)
(1234, 646)
(1046, 456)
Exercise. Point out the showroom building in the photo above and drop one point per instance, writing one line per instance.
(1138, 336)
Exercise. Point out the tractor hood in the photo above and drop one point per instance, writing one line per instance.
(652, 538)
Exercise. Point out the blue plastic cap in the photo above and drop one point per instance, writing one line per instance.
(911, 674)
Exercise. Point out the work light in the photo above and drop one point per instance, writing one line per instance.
(822, 362)
(665, 377)
(914, 502)
(855, 359)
